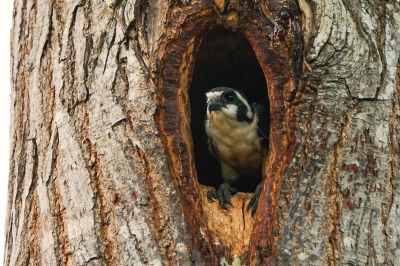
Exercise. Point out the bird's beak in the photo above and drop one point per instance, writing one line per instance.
(214, 106)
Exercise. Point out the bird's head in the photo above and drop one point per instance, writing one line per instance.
(230, 102)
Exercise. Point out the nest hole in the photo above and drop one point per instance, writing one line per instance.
(225, 58)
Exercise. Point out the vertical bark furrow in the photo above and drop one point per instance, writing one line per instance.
(18, 214)
(110, 44)
(105, 226)
(44, 79)
(137, 198)
(62, 254)
(293, 200)
(73, 54)
(77, 196)
(370, 193)
(48, 226)
(392, 228)
(390, 23)
(35, 252)
(25, 201)
(335, 195)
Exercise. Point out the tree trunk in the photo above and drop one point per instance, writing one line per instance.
(102, 163)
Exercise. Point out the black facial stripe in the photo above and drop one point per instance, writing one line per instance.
(242, 112)
(242, 109)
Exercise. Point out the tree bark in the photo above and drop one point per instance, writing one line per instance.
(102, 168)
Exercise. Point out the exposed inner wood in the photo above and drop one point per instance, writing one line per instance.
(232, 227)
(220, 4)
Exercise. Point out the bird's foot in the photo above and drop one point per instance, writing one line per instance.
(223, 195)
(253, 203)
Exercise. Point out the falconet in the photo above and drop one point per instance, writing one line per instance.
(238, 137)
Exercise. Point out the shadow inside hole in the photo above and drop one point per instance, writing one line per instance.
(225, 59)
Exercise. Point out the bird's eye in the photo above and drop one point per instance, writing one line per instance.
(230, 96)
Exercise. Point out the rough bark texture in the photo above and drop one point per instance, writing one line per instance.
(102, 168)
(339, 198)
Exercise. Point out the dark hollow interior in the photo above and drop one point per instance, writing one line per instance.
(225, 58)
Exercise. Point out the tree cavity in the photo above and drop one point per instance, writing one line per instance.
(224, 59)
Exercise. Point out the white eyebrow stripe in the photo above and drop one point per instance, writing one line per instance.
(249, 113)
(213, 95)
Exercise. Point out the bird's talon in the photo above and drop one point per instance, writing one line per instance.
(253, 203)
(212, 195)
(224, 195)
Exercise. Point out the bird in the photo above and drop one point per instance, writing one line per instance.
(237, 134)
